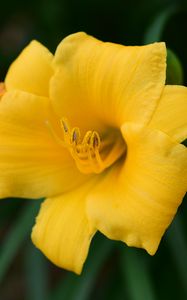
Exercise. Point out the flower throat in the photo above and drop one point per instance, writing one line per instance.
(90, 153)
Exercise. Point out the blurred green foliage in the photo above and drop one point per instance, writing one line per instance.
(126, 22)
(112, 270)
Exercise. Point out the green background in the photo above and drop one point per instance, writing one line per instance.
(112, 270)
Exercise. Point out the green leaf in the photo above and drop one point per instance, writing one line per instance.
(136, 275)
(174, 71)
(178, 245)
(64, 288)
(36, 274)
(8, 209)
(185, 143)
(20, 231)
(74, 287)
(155, 30)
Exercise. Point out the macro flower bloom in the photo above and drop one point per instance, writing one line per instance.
(96, 131)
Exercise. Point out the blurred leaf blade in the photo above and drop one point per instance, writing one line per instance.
(97, 259)
(136, 275)
(64, 288)
(8, 210)
(20, 230)
(36, 273)
(155, 30)
(174, 71)
(74, 287)
(178, 246)
(185, 142)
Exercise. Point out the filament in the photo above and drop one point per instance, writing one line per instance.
(90, 154)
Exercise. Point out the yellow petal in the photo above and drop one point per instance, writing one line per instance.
(31, 71)
(32, 163)
(138, 199)
(2, 89)
(62, 231)
(110, 83)
(171, 113)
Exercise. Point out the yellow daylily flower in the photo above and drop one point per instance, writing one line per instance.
(95, 130)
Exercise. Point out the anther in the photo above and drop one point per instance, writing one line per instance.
(64, 124)
(87, 151)
(95, 140)
(75, 135)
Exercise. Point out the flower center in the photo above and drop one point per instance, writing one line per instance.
(2, 89)
(90, 153)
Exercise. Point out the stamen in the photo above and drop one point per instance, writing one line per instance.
(87, 138)
(64, 124)
(54, 135)
(87, 151)
(75, 135)
(95, 140)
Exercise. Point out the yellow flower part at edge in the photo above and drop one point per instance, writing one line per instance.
(94, 130)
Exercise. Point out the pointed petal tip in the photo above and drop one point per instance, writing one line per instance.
(151, 247)
(147, 244)
(67, 47)
(31, 70)
(133, 240)
(77, 35)
(62, 231)
(77, 269)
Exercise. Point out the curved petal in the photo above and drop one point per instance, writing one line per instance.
(108, 82)
(31, 71)
(62, 231)
(32, 163)
(137, 201)
(2, 89)
(171, 113)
